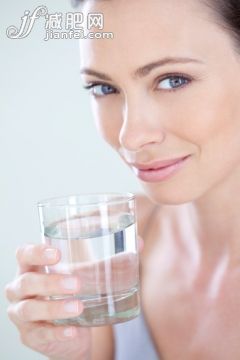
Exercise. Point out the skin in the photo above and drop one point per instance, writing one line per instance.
(192, 248)
(200, 118)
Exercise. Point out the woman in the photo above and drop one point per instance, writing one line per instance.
(165, 95)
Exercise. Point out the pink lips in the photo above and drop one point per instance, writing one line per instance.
(159, 170)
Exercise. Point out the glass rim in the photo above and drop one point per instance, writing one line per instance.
(52, 202)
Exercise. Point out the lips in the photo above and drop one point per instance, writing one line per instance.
(159, 170)
(158, 164)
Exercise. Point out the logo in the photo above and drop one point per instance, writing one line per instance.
(55, 23)
(27, 23)
(95, 20)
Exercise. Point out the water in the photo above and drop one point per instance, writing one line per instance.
(106, 261)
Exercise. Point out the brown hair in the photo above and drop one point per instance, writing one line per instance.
(227, 14)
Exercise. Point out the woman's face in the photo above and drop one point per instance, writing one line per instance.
(174, 108)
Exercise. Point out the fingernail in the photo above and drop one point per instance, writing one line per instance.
(50, 254)
(70, 283)
(72, 306)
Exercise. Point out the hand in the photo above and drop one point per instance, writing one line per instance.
(31, 312)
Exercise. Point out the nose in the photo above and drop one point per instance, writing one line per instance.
(142, 124)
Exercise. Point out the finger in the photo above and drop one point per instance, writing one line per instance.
(36, 284)
(44, 338)
(30, 256)
(44, 310)
(37, 335)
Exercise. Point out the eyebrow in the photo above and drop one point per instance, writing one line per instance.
(146, 69)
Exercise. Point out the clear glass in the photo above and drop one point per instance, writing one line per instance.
(96, 234)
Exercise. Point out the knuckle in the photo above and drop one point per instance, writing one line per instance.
(10, 313)
(29, 337)
(24, 337)
(23, 284)
(24, 310)
(8, 292)
(25, 252)
(19, 252)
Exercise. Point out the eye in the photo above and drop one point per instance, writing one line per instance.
(173, 82)
(100, 90)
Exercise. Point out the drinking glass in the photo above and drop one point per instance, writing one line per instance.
(96, 235)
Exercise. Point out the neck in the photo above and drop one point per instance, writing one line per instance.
(215, 219)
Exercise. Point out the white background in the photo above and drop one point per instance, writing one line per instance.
(48, 143)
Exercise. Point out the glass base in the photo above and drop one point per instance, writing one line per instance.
(106, 310)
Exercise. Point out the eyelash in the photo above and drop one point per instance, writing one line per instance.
(92, 85)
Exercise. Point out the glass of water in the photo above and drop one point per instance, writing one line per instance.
(96, 235)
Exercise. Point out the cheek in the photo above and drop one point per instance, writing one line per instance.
(216, 132)
(219, 134)
(210, 122)
(210, 117)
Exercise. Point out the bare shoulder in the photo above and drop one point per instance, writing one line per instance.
(144, 208)
(102, 343)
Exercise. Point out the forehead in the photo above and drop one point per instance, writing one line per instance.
(150, 29)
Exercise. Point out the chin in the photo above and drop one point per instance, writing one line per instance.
(176, 196)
